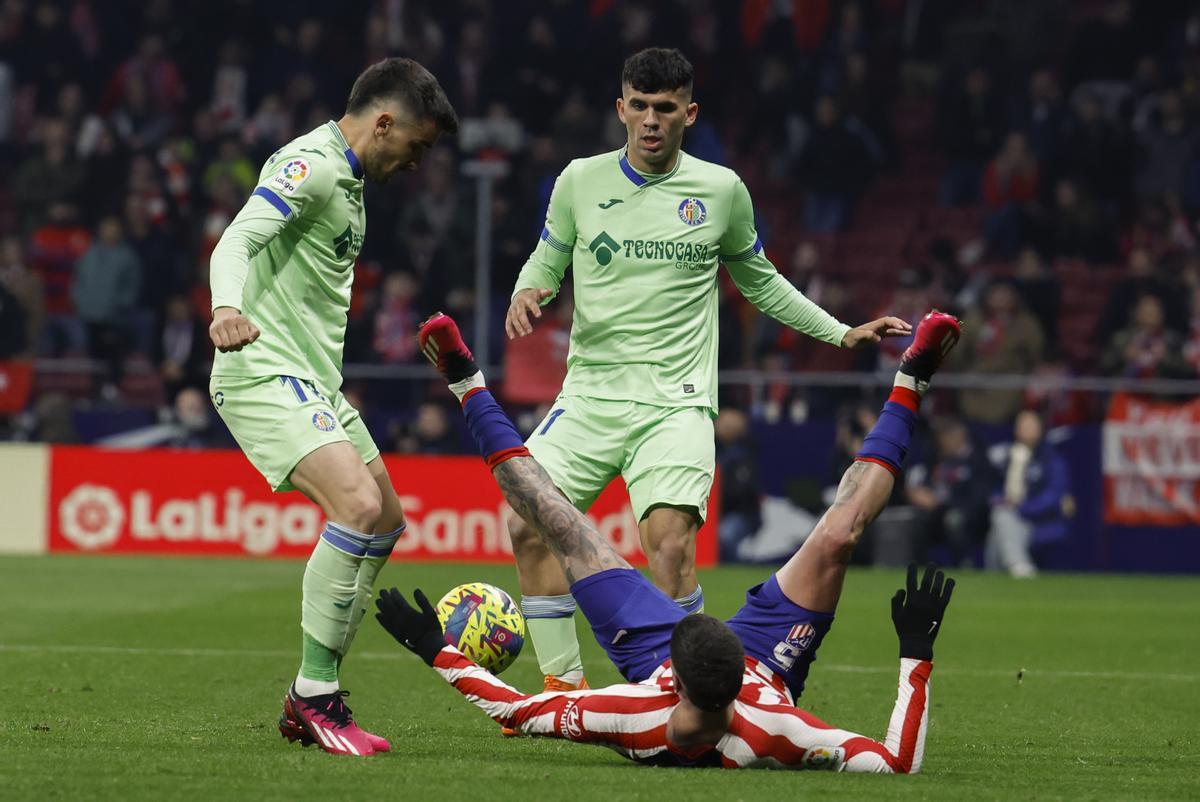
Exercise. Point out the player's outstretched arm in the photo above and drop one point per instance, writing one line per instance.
(417, 629)
(917, 613)
(543, 272)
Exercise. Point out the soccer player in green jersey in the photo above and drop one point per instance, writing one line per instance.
(644, 229)
(281, 278)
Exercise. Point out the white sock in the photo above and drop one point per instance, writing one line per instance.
(911, 382)
(314, 687)
(468, 384)
(573, 677)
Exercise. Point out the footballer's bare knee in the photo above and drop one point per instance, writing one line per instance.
(358, 508)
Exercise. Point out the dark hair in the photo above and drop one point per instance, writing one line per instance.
(657, 69)
(708, 659)
(410, 83)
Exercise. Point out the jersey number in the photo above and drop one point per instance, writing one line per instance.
(550, 421)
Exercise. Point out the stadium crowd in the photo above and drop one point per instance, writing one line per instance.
(902, 154)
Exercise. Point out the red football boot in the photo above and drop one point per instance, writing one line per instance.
(936, 335)
(443, 345)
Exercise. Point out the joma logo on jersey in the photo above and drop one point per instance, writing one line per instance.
(348, 242)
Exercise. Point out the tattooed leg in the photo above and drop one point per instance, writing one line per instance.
(570, 536)
(813, 577)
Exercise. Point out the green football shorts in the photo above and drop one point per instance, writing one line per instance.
(279, 420)
(666, 454)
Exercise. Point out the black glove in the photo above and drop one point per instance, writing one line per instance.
(918, 614)
(417, 630)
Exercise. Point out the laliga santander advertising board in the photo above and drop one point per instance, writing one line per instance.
(214, 503)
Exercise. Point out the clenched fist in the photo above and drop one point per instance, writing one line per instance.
(230, 330)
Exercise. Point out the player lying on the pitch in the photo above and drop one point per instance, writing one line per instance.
(702, 692)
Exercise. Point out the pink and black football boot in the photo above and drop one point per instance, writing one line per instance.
(936, 336)
(326, 721)
(443, 345)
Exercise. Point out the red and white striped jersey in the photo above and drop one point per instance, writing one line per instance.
(767, 731)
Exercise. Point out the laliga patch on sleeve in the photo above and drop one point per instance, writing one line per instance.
(829, 758)
(291, 175)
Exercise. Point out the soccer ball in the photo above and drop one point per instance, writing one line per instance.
(484, 623)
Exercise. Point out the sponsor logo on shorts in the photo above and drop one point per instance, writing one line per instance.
(218, 399)
(692, 211)
(324, 420)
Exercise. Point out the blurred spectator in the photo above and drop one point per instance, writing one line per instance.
(1168, 146)
(1040, 289)
(428, 432)
(741, 511)
(833, 166)
(1077, 227)
(53, 251)
(105, 290)
(14, 325)
(1191, 347)
(183, 348)
(1010, 185)
(1034, 502)
(911, 299)
(1001, 337)
(138, 121)
(1095, 151)
(951, 491)
(397, 320)
(971, 125)
(188, 423)
(1042, 115)
(51, 176)
(536, 364)
(1146, 349)
(1142, 277)
(231, 164)
(23, 288)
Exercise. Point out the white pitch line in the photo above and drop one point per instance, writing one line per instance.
(400, 654)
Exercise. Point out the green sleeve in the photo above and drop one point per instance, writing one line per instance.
(289, 188)
(762, 285)
(548, 262)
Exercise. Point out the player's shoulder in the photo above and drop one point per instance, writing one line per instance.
(308, 164)
(709, 172)
(591, 165)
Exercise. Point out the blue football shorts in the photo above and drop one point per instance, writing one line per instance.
(633, 620)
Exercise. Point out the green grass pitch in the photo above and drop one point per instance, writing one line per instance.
(144, 678)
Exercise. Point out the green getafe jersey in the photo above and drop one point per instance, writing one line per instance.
(645, 251)
(287, 261)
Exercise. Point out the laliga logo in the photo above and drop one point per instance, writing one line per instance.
(91, 516)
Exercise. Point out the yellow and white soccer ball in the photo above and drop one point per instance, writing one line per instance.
(484, 623)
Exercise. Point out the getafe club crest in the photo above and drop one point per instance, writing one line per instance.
(324, 420)
(692, 211)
